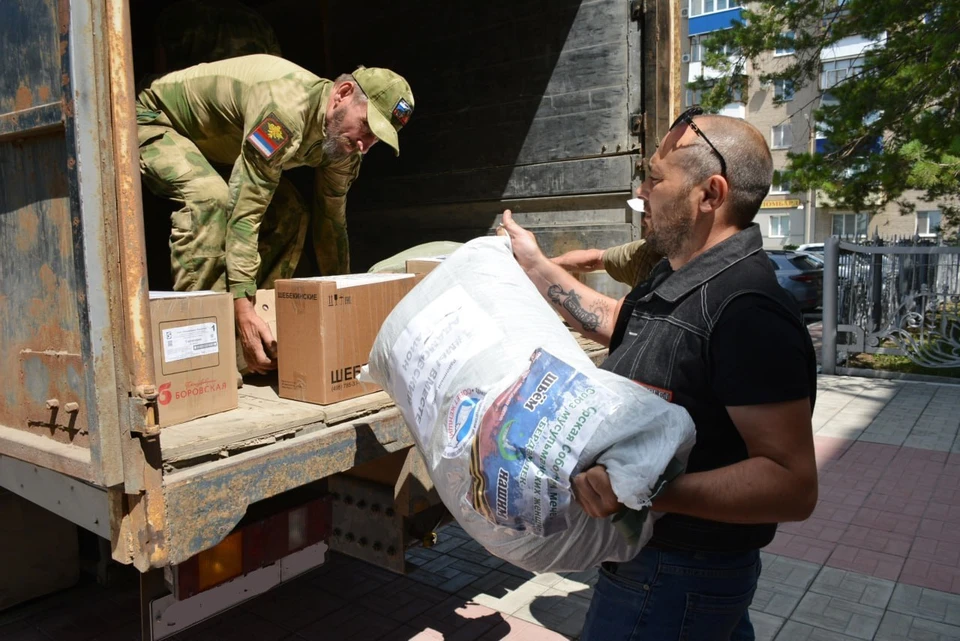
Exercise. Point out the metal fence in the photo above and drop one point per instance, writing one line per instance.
(897, 296)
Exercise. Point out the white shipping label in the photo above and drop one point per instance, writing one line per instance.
(189, 341)
(435, 345)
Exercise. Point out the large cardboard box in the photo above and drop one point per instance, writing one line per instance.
(326, 327)
(423, 265)
(265, 306)
(194, 354)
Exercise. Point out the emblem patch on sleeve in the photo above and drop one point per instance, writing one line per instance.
(402, 112)
(269, 136)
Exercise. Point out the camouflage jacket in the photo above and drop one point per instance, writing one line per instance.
(261, 114)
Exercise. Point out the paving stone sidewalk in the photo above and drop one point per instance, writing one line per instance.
(879, 559)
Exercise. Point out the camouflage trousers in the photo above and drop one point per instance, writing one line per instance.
(173, 167)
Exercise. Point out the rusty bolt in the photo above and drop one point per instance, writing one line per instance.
(72, 407)
(337, 531)
(375, 507)
(348, 499)
(362, 541)
(377, 546)
(391, 551)
(350, 537)
(361, 504)
(389, 512)
(147, 392)
(52, 403)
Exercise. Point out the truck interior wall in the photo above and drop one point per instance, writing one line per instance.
(522, 103)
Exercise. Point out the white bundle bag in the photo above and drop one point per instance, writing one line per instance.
(506, 408)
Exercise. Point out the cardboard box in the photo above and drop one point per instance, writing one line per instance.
(423, 265)
(326, 328)
(265, 306)
(194, 354)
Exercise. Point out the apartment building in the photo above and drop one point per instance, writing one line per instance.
(789, 216)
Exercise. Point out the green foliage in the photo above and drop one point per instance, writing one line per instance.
(894, 124)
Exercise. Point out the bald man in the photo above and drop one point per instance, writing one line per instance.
(710, 330)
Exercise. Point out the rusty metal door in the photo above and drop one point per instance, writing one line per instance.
(64, 380)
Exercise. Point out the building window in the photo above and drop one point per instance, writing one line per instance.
(850, 225)
(694, 97)
(781, 136)
(928, 223)
(700, 7)
(834, 72)
(785, 50)
(783, 90)
(780, 226)
(696, 49)
(779, 185)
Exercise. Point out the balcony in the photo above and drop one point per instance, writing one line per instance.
(697, 69)
(852, 47)
(713, 21)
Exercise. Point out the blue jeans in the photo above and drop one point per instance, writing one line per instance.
(673, 596)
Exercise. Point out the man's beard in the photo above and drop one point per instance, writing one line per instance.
(672, 228)
(336, 146)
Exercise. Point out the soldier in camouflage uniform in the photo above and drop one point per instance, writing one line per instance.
(259, 115)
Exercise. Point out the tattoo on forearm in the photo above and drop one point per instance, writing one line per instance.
(570, 301)
(601, 313)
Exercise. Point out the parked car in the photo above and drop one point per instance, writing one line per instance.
(812, 248)
(801, 275)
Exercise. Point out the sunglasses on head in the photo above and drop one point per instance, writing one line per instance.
(687, 118)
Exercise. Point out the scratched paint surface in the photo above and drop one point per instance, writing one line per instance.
(28, 33)
(38, 282)
(38, 291)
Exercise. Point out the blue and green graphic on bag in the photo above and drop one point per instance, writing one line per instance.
(529, 442)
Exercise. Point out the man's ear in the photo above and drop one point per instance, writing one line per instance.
(342, 92)
(715, 193)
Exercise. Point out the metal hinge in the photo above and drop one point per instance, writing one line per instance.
(637, 124)
(637, 9)
(143, 412)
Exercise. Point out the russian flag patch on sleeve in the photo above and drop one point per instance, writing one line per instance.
(269, 136)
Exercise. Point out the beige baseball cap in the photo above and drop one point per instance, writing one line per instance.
(389, 103)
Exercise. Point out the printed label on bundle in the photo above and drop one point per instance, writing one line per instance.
(529, 441)
(435, 345)
(462, 421)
